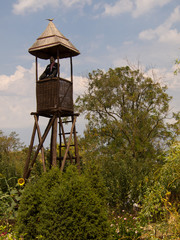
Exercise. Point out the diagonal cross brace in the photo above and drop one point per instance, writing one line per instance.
(28, 171)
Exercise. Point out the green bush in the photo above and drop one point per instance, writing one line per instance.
(62, 206)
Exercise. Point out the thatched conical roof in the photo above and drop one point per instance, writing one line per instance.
(50, 41)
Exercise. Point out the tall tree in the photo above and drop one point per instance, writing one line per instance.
(126, 130)
(12, 157)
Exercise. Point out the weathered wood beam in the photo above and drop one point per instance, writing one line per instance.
(76, 146)
(40, 138)
(29, 152)
(54, 143)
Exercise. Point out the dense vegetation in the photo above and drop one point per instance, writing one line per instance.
(127, 132)
(63, 206)
(129, 185)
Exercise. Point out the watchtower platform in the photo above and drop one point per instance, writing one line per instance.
(54, 98)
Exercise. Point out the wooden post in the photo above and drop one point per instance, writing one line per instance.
(76, 147)
(40, 138)
(60, 142)
(58, 62)
(29, 153)
(72, 80)
(36, 69)
(71, 69)
(54, 143)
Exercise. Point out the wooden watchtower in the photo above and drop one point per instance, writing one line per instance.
(54, 97)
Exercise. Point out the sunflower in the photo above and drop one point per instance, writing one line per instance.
(21, 181)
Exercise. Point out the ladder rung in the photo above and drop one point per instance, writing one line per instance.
(67, 133)
(68, 158)
(70, 145)
(67, 121)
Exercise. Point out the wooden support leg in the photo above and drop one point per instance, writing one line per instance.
(51, 121)
(76, 147)
(26, 168)
(60, 143)
(54, 143)
(68, 145)
(40, 138)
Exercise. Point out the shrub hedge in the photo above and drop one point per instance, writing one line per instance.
(63, 206)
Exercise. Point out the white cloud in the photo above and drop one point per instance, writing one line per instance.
(144, 6)
(164, 33)
(167, 77)
(18, 98)
(17, 92)
(174, 17)
(121, 6)
(80, 85)
(19, 83)
(135, 7)
(23, 6)
(163, 75)
(81, 3)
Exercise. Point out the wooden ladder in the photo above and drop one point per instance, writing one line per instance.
(65, 143)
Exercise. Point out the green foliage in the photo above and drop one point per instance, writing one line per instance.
(161, 202)
(163, 196)
(12, 157)
(126, 132)
(9, 201)
(177, 70)
(6, 232)
(63, 206)
(93, 173)
(32, 198)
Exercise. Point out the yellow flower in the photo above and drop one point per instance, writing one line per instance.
(21, 181)
(168, 194)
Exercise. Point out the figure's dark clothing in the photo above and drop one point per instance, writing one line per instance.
(49, 71)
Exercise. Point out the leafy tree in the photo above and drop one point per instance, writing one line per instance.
(12, 157)
(126, 130)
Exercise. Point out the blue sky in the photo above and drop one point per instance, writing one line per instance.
(107, 33)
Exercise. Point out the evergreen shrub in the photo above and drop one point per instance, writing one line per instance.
(62, 206)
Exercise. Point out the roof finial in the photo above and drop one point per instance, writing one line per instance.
(50, 19)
